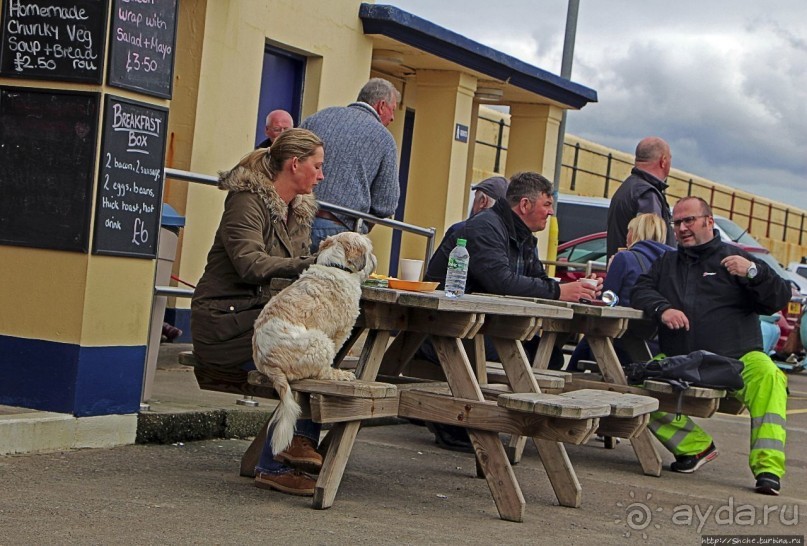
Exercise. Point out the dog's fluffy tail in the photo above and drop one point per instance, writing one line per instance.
(285, 416)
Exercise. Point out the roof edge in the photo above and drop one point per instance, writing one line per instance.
(412, 30)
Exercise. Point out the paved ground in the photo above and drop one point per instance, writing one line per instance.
(398, 489)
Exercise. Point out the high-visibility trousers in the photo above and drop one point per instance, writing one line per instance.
(765, 396)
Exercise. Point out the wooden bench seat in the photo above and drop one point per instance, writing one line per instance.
(554, 405)
(696, 401)
(327, 401)
(487, 415)
(547, 382)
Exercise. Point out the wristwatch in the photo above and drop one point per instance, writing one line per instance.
(752, 271)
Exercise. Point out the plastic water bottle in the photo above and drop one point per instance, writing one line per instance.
(457, 271)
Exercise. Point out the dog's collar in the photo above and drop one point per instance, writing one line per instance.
(338, 266)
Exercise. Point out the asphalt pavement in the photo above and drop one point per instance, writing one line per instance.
(398, 488)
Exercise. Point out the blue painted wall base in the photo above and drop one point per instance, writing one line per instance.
(68, 378)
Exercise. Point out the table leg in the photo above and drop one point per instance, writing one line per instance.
(253, 453)
(401, 352)
(553, 454)
(489, 450)
(343, 435)
(516, 445)
(612, 372)
(544, 352)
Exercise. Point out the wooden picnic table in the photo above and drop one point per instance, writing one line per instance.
(449, 321)
(523, 411)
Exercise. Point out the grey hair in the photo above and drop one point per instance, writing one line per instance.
(378, 89)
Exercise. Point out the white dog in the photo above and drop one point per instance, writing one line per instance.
(300, 330)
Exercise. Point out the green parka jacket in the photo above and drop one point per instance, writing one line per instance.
(254, 243)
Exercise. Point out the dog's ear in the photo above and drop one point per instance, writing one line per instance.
(355, 256)
(325, 243)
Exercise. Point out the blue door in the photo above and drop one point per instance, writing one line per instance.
(281, 86)
(403, 181)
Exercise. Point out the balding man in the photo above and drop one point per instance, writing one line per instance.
(276, 122)
(643, 191)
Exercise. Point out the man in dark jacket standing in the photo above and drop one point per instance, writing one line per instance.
(708, 295)
(643, 191)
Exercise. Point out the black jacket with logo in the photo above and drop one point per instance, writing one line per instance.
(723, 309)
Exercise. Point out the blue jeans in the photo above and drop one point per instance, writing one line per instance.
(321, 229)
(267, 463)
(303, 427)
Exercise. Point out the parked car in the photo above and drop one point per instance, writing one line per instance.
(798, 268)
(800, 281)
(592, 248)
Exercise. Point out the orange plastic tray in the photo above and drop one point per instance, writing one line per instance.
(415, 286)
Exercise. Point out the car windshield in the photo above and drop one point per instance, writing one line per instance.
(735, 233)
(593, 250)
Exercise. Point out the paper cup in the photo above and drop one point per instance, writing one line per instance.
(591, 283)
(410, 269)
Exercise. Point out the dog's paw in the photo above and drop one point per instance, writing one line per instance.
(344, 375)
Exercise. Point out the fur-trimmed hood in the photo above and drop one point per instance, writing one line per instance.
(304, 207)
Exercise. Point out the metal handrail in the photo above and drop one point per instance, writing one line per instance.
(589, 266)
(188, 176)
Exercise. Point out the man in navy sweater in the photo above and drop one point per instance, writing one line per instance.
(361, 169)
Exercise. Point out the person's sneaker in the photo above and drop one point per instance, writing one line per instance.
(301, 454)
(690, 463)
(767, 484)
(293, 482)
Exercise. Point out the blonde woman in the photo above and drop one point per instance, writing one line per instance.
(646, 235)
(265, 232)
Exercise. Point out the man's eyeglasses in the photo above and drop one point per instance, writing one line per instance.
(687, 221)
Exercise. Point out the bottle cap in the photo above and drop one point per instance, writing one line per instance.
(461, 242)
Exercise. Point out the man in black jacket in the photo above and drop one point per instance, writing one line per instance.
(503, 249)
(504, 260)
(643, 191)
(708, 295)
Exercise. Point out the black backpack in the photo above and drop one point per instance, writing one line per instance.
(698, 368)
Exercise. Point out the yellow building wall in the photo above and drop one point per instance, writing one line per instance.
(226, 44)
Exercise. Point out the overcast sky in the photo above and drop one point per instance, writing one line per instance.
(723, 81)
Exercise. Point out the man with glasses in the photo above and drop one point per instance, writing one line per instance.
(708, 295)
(276, 122)
(361, 172)
(643, 191)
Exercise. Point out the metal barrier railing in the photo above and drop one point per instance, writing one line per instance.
(589, 266)
(428, 233)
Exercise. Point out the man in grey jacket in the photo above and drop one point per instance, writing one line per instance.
(361, 171)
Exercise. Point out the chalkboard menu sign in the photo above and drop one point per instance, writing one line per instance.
(141, 46)
(130, 179)
(47, 163)
(52, 40)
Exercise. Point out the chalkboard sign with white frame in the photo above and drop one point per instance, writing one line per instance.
(130, 178)
(58, 41)
(142, 40)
